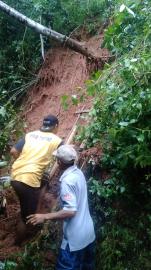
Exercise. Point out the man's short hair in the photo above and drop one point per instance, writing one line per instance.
(49, 122)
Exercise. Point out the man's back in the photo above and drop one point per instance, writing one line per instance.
(79, 230)
(36, 155)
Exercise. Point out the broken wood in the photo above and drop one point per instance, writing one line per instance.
(80, 112)
(68, 141)
(39, 28)
(42, 45)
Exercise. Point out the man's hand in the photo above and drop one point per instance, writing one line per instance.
(40, 218)
(36, 219)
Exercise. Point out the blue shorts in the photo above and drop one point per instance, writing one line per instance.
(76, 260)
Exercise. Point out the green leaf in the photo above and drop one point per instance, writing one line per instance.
(2, 111)
(123, 124)
(122, 189)
(140, 138)
(64, 101)
(74, 99)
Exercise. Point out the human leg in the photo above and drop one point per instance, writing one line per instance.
(69, 260)
(88, 257)
(28, 198)
(76, 260)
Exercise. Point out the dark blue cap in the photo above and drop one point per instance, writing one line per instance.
(50, 121)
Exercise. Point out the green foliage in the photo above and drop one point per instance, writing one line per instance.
(6, 112)
(123, 248)
(19, 56)
(97, 205)
(90, 13)
(7, 119)
(120, 122)
(8, 265)
(131, 28)
(33, 257)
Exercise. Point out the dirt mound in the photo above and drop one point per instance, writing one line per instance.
(63, 74)
(8, 226)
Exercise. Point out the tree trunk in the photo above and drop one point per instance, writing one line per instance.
(64, 40)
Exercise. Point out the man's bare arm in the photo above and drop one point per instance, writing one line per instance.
(40, 218)
(17, 148)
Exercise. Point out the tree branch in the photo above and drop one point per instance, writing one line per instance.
(39, 28)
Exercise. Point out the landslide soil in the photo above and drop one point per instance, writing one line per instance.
(63, 73)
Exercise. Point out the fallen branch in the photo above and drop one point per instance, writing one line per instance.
(39, 28)
(68, 141)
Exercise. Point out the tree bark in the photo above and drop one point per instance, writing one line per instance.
(39, 28)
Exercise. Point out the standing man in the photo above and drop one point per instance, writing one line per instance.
(33, 154)
(77, 248)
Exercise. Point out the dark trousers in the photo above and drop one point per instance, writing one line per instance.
(76, 260)
(28, 197)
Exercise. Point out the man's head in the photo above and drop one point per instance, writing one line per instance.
(50, 124)
(66, 155)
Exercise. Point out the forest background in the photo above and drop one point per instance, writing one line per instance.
(120, 114)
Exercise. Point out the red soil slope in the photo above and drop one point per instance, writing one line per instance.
(64, 72)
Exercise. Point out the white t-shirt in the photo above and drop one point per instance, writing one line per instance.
(78, 231)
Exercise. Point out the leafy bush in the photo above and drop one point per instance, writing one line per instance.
(8, 265)
(120, 122)
(90, 13)
(19, 56)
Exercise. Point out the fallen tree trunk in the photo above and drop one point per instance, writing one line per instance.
(39, 28)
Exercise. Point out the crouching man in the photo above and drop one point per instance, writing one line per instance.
(77, 248)
(32, 155)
